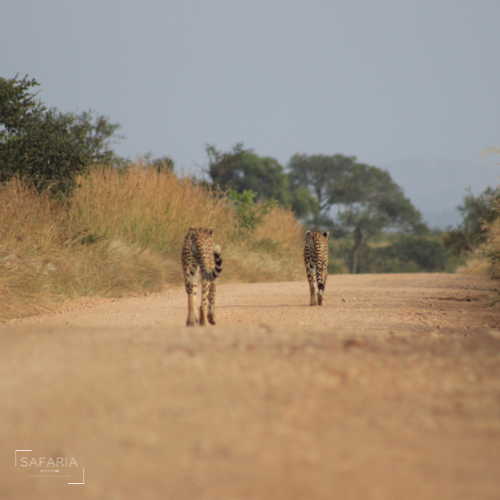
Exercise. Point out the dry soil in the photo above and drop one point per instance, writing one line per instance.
(391, 390)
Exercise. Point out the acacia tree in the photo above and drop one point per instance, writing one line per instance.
(356, 201)
(372, 203)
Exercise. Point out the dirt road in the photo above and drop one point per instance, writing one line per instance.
(391, 390)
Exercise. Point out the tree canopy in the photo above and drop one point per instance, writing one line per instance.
(373, 202)
(242, 170)
(324, 176)
(44, 146)
(356, 201)
(100, 134)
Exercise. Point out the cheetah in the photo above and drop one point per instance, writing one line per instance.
(316, 261)
(201, 259)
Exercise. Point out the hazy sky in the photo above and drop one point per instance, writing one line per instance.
(381, 80)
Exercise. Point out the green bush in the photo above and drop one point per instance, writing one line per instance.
(249, 213)
(478, 213)
(401, 253)
(47, 148)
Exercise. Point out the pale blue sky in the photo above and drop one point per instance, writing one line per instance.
(386, 81)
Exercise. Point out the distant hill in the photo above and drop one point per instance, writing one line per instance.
(436, 187)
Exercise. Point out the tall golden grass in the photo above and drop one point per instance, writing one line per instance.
(122, 233)
(486, 259)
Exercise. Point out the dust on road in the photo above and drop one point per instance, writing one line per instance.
(391, 390)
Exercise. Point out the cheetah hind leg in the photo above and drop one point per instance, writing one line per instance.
(312, 291)
(192, 319)
(203, 306)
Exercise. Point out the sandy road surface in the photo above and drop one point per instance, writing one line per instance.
(391, 390)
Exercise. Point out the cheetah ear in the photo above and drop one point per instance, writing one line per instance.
(191, 229)
(326, 233)
(210, 230)
(308, 232)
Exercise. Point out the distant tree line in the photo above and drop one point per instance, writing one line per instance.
(374, 227)
(356, 202)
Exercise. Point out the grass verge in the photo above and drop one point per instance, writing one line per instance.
(122, 233)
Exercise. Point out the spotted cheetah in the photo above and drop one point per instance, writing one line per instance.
(316, 261)
(201, 259)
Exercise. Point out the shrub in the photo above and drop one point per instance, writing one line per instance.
(47, 148)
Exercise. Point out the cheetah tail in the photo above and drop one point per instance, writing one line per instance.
(212, 275)
(218, 260)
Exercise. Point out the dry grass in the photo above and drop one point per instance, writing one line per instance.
(28, 228)
(122, 234)
(490, 251)
(274, 253)
(476, 266)
(485, 260)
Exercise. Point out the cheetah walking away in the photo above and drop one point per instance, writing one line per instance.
(201, 259)
(316, 261)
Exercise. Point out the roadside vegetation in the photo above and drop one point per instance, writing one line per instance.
(78, 220)
(121, 233)
(476, 240)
